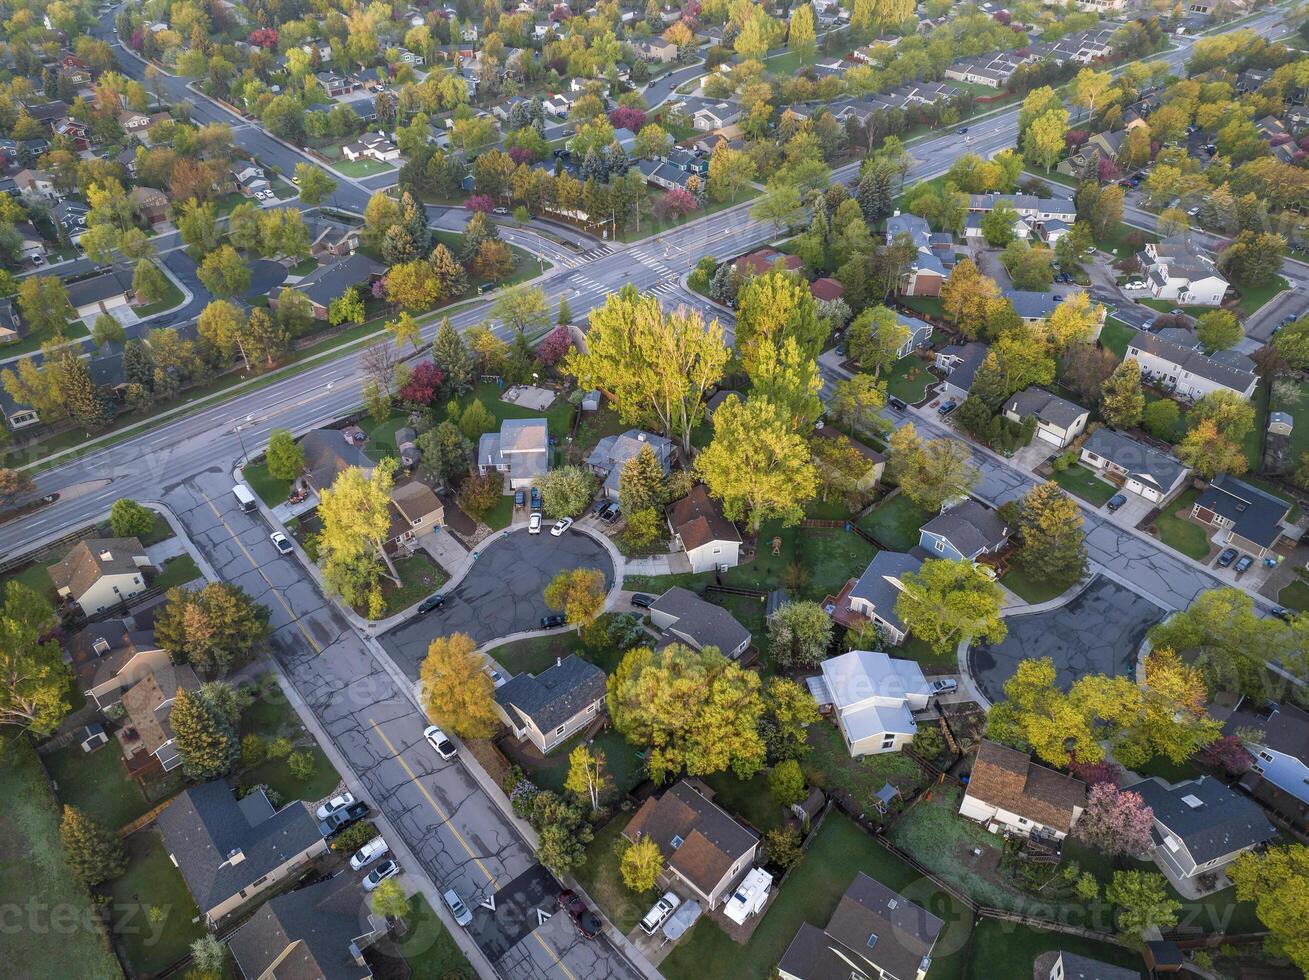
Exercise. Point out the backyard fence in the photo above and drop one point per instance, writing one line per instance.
(734, 590)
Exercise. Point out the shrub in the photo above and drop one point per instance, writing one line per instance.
(302, 764)
(783, 847)
(128, 519)
(786, 782)
(354, 837)
(280, 748)
(253, 751)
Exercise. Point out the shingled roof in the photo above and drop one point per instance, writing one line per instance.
(698, 520)
(320, 921)
(555, 695)
(94, 558)
(1008, 778)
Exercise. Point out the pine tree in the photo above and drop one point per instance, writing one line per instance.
(414, 219)
(94, 854)
(1050, 524)
(86, 403)
(477, 231)
(1121, 398)
(449, 272)
(565, 311)
(641, 482)
(398, 245)
(206, 742)
(451, 355)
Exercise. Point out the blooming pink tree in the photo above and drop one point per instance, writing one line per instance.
(479, 202)
(554, 346)
(1116, 821)
(521, 154)
(1107, 170)
(676, 203)
(1227, 753)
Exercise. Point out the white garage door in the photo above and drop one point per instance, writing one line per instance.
(1048, 436)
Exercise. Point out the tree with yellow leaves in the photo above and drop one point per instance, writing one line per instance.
(588, 779)
(457, 693)
(1054, 544)
(356, 518)
(579, 592)
(1073, 321)
(1209, 452)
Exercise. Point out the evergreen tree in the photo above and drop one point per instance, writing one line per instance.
(138, 366)
(1121, 398)
(641, 482)
(875, 193)
(207, 744)
(449, 272)
(1050, 524)
(565, 311)
(413, 217)
(398, 246)
(85, 401)
(477, 231)
(451, 355)
(94, 854)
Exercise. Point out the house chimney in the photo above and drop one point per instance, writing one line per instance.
(559, 661)
(106, 556)
(101, 645)
(640, 437)
(235, 857)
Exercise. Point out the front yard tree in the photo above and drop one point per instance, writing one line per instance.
(13, 484)
(34, 680)
(94, 854)
(799, 634)
(355, 512)
(525, 309)
(128, 519)
(695, 710)
(1219, 329)
(1073, 321)
(389, 900)
(588, 779)
(933, 472)
(223, 325)
(641, 864)
(404, 329)
(1116, 822)
(947, 601)
(285, 456)
(457, 692)
(1121, 398)
(966, 295)
(1292, 343)
(801, 37)
(856, 402)
(411, 286)
(381, 212)
(314, 183)
(1206, 450)
(206, 742)
(566, 491)
(198, 227)
(579, 593)
(876, 339)
(771, 308)
(148, 283)
(214, 629)
(1018, 359)
(1277, 881)
(641, 482)
(730, 171)
(451, 355)
(1220, 631)
(1254, 258)
(1171, 718)
(756, 464)
(998, 224)
(656, 365)
(446, 451)
(1054, 544)
(1043, 143)
(224, 272)
(1143, 902)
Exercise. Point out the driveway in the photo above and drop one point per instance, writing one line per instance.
(1098, 631)
(502, 592)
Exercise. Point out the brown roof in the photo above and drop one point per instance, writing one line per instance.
(100, 650)
(414, 500)
(711, 841)
(1007, 778)
(762, 261)
(697, 520)
(95, 557)
(149, 702)
(148, 197)
(826, 289)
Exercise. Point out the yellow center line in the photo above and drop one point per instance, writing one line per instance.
(554, 956)
(259, 568)
(434, 805)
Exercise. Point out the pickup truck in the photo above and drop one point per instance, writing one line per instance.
(338, 820)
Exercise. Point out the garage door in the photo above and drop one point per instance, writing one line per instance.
(1048, 437)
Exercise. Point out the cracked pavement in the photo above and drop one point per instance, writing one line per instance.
(502, 592)
(449, 823)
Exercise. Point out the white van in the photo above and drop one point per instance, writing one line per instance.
(244, 497)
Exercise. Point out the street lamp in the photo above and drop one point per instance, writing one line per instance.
(241, 438)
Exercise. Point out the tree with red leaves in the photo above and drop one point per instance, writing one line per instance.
(480, 202)
(1107, 170)
(625, 117)
(520, 154)
(560, 14)
(554, 346)
(264, 37)
(423, 384)
(1093, 773)
(1228, 753)
(1116, 821)
(676, 203)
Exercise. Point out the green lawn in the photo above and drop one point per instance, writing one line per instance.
(152, 881)
(160, 530)
(35, 576)
(1116, 335)
(428, 947)
(270, 490)
(603, 882)
(1253, 297)
(931, 305)
(276, 775)
(1295, 595)
(536, 653)
(839, 850)
(1032, 590)
(96, 783)
(32, 867)
(303, 267)
(895, 522)
(916, 648)
(1300, 412)
(909, 380)
(747, 798)
(176, 571)
(419, 577)
(830, 766)
(35, 340)
(1181, 534)
(1081, 482)
(558, 416)
(362, 168)
(658, 584)
(501, 515)
(172, 297)
(1001, 949)
(1179, 429)
(833, 556)
(1165, 768)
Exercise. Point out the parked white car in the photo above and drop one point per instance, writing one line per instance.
(439, 741)
(457, 907)
(282, 542)
(369, 853)
(334, 804)
(387, 869)
(534, 524)
(563, 525)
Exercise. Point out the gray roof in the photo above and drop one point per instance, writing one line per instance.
(96, 666)
(701, 623)
(1224, 822)
(970, 356)
(1284, 728)
(204, 825)
(1082, 968)
(1194, 360)
(556, 694)
(614, 452)
(1030, 304)
(1257, 515)
(330, 281)
(97, 288)
(1142, 462)
(1046, 407)
(328, 454)
(970, 527)
(873, 585)
(321, 919)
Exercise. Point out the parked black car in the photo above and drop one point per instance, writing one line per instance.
(430, 603)
(642, 600)
(338, 821)
(553, 621)
(1227, 556)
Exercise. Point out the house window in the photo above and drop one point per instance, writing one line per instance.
(590, 709)
(888, 742)
(1022, 820)
(1172, 844)
(676, 842)
(940, 546)
(559, 730)
(1265, 756)
(415, 523)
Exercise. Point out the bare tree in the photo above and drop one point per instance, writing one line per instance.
(379, 363)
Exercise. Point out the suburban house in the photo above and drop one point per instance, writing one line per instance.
(920, 333)
(960, 365)
(703, 847)
(520, 450)
(69, 219)
(933, 261)
(1070, 966)
(36, 186)
(715, 115)
(12, 327)
(326, 238)
(762, 261)
(825, 289)
(133, 121)
(1178, 269)
(1058, 421)
(1201, 825)
(1084, 162)
(1246, 517)
(317, 931)
(110, 656)
(330, 281)
(655, 49)
(1277, 736)
(147, 738)
(550, 707)
(374, 146)
(1132, 465)
(1036, 209)
(1185, 370)
(874, 462)
(873, 933)
(330, 452)
(150, 203)
(1009, 792)
(873, 697)
(230, 850)
(872, 596)
(993, 70)
(415, 510)
(699, 528)
(31, 246)
(686, 618)
(251, 180)
(1031, 306)
(100, 573)
(612, 453)
(103, 292)
(964, 532)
